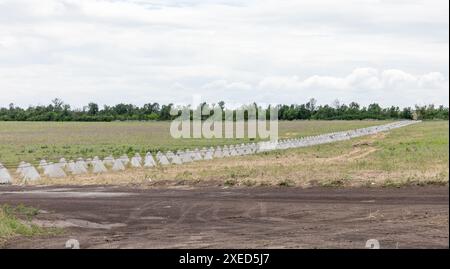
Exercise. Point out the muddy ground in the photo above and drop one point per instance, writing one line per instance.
(216, 217)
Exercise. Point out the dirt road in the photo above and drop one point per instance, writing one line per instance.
(214, 217)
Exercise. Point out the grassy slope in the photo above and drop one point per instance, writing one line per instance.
(33, 141)
(14, 221)
(416, 154)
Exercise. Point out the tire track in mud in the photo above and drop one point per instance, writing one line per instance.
(238, 217)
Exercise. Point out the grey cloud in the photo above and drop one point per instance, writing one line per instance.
(136, 51)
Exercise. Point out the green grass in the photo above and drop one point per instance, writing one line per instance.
(33, 141)
(424, 145)
(15, 221)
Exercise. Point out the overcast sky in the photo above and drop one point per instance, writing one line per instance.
(268, 51)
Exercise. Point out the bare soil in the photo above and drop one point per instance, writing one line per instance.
(218, 217)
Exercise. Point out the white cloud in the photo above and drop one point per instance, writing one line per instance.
(366, 85)
(240, 51)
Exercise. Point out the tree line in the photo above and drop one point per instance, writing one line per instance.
(57, 110)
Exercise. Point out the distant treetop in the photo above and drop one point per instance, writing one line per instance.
(59, 111)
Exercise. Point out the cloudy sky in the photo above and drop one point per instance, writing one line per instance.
(269, 51)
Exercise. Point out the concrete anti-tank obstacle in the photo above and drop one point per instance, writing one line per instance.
(62, 163)
(20, 167)
(162, 159)
(72, 168)
(76, 168)
(209, 154)
(124, 159)
(149, 161)
(185, 156)
(218, 153)
(5, 176)
(54, 171)
(42, 164)
(225, 152)
(118, 166)
(29, 173)
(135, 162)
(98, 167)
(176, 159)
(137, 155)
(197, 156)
(80, 162)
(108, 161)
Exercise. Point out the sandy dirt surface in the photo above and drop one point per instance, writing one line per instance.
(216, 217)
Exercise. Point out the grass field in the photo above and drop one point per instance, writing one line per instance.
(16, 221)
(417, 154)
(33, 141)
